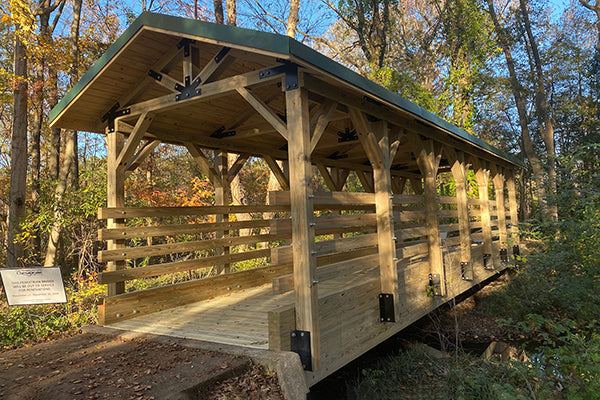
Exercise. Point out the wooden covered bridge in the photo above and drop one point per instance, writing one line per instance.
(341, 271)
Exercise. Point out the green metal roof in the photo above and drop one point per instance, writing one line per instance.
(272, 43)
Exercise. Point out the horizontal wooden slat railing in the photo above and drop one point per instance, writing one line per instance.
(184, 247)
(177, 229)
(193, 239)
(179, 266)
(353, 218)
(139, 212)
(192, 229)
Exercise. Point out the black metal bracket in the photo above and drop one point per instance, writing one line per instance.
(189, 90)
(347, 135)
(337, 156)
(185, 43)
(155, 75)
(113, 114)
(221, 54)
(371, 100)
(435, 283)
(486, 261)
(300, 341)
(464, 271)
(386, 307)
(288, 68)
(372, 118)
(504, 255)
(222, 133)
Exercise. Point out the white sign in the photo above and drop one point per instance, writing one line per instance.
(37, 285)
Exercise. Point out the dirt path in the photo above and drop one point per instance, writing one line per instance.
(96, 366)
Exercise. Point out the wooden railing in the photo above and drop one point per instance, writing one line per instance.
(196, 251)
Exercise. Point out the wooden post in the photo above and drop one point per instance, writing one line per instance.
(303, 232)
(222, 199)
(428, 160)
(498, 178)
(514, 209)
(375, 141)
(115, 197)
(459, 172)
(385, 226)
(483, 179)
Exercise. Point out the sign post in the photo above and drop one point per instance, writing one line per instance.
(34, 285)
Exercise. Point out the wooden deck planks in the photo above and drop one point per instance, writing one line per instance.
(240, 318)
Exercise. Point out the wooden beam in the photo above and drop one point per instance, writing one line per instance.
(278, 172)
(398, 183)
(303, 234)
(498, 179)
(396, 135)
(169, 82)
(144, 82)
(139, 130)
(211, 89)
(459, 173)
(385, 226)
(141, 155)
(211, 67)
(237, 166)
(327, 177)
(205, 165)
(115, 197)
(264, 110)
(368, 139)
(340, 175)
(428, 161)
(320, 121)
(366, 180)
(482, 175)
(396, 116)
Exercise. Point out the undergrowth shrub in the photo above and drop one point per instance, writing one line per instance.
(414, 374)
(22, 324)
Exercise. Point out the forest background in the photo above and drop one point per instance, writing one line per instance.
(523, 75)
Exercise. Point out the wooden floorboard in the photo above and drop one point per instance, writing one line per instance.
(240, 318)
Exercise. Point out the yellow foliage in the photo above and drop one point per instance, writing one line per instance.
(22, 15)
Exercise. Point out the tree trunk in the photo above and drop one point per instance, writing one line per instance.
(595, 8)
(18, 154)
(69, 171)
(231, 12)
(71, 135)
(54, 136)
(218, 6)
(543, 113)
(56, 229)
(292, 23)
(238, 196)
(517, 89)
(35, 154)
